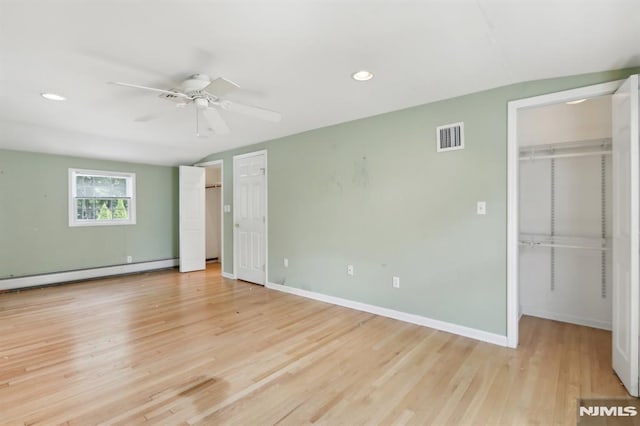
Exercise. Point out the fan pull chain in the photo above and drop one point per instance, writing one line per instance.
(197, 123)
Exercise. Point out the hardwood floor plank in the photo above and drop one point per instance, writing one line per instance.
(168, 348)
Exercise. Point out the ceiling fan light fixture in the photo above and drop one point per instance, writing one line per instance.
(52, 96)
(362, 75)
(206, 96)
(201, 103)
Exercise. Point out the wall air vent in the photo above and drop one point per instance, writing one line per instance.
(450, 137)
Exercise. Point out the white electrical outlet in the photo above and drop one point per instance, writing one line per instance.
(396, 282)
(129, 259)
(349, 269)
(286, 262)
(227, 208)
(481, 207)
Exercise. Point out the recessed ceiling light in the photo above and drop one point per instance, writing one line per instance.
(362, 75)
(53, 96)
(579, 101)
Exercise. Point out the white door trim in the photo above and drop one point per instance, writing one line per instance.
(266, 210)
(221, 164)
(513, 306)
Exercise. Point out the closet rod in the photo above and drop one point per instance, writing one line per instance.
(577, 154)
(554, 245)
(581, 144)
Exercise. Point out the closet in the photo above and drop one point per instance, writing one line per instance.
(213, 201)
(565, 210)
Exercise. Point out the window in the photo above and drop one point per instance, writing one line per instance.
(101, 198)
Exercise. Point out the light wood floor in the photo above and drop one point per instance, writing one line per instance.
(166, 348)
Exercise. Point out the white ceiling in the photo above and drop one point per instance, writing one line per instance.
(293, 56)
(586, 121)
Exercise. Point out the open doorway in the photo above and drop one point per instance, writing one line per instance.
(614, 249)
(213, 213)
(565, 211)
(213, 202)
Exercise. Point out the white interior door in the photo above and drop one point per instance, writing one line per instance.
(192, 224)
(625, 321)
(249, 193)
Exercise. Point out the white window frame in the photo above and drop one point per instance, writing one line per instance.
(131, 189)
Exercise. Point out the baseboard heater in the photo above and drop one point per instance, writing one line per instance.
(84, 274)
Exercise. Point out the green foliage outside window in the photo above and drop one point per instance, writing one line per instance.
(105, 213)
(120, 211)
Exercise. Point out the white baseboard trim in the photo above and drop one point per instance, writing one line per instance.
(604, 325)
(84, 274)
(228, 275)
(460, 330)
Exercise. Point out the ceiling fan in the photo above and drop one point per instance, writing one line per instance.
(206, 94)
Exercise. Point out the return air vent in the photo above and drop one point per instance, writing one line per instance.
(450, 137)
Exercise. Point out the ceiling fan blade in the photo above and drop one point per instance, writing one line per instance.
(153, 89)
(261, 113)
(215, 121)
(221, 86)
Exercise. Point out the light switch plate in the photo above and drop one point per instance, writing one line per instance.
(481, 208)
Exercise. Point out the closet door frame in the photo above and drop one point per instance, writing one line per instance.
(221, 164)
(513, 298)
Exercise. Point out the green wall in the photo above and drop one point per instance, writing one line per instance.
(374, 193)
(35, 236)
